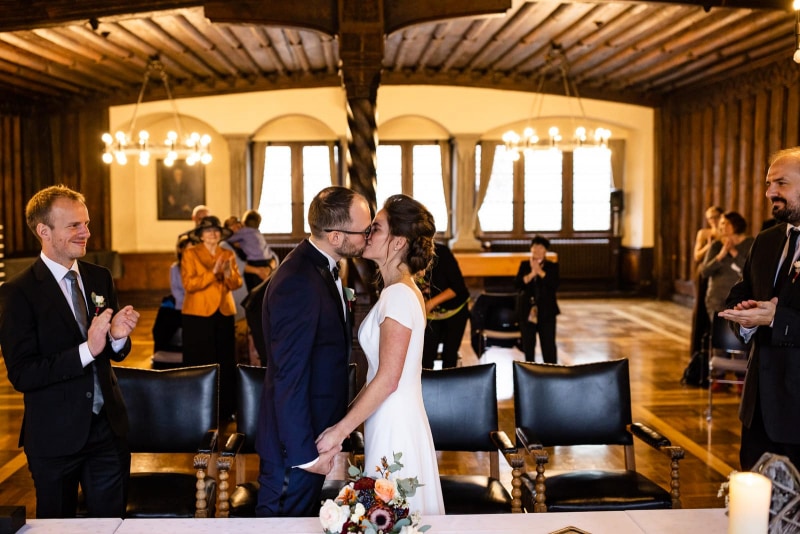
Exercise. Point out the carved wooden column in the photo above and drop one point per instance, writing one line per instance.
(464, 231)
(361, 52)
(238, 158)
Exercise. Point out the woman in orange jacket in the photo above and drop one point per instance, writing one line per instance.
(209, 274)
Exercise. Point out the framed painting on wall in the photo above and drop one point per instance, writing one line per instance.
(181, 187)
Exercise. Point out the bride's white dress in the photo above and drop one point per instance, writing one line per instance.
(400, 424)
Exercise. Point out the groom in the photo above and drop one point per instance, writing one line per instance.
(308, 338)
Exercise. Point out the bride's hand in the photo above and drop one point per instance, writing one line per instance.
(328, 440)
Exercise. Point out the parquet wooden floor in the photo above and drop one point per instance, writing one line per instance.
(653, 335)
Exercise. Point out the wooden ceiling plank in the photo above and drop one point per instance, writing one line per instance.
(467, 40)
(620, 33)
(519, 22)
(184, 31)
(295, 47)
(122, 59)
(49, 60)
(75, 74)
(169, 48)
(407, 41)
(39, 77)
(257, 48)
(714, 64)
(280, 46)
(320, 15)
(233, 49)
(680, 44)
(764, 24)
(436, 43)
(54, 36)
(570, 38)
(632, 48)
(266, 46)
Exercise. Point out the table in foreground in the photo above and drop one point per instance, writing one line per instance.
(706, 521)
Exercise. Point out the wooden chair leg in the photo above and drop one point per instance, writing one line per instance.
(541, 458)
(224, 468)
(675, 478)
(201, 461)
(517, 463)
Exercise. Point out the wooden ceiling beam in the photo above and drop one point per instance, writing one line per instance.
(49, 13)
(784, 5)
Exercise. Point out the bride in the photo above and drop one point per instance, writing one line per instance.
(392, 336)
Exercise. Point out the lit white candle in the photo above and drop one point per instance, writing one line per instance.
(750, 495)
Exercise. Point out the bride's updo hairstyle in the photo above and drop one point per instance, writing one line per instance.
(410, 219)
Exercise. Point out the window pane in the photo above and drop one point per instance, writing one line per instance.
(389, 171)
(591, 189)
(543, 192)
(316, 175)
(276, 192)
(497, 212)
(427, 182)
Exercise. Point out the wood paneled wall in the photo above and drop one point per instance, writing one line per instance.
(713, 149)
(46, 148)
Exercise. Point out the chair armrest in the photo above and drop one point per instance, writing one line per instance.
(674, 452)
(501, 441)
(233, 445)
(528, 440)
(656, 440)
(209, 442)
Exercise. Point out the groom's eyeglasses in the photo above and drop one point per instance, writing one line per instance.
(365, 232)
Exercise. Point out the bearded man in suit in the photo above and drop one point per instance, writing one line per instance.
(308, 337)
(765, 305)
(58, 355)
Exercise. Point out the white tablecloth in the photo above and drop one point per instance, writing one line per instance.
(709, 521)
(70, 526)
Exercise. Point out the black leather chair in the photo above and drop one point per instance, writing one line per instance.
(726, 354)
(461, 404)
(172, 411)
(493, 320)
(590, 404)
(243, 499)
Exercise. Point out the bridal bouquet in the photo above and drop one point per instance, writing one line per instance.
(373, 505)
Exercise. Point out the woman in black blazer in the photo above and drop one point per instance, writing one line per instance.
(537, 281)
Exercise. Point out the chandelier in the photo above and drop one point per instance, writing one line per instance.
(193, 147)
(518, 144)
(796, 7)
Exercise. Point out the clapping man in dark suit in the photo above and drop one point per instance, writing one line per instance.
(308, 336)
(765, 304)
(57, 347)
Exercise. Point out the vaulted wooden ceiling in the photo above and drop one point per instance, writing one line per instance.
(96, 51)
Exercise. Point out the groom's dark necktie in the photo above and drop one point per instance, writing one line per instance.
(785, 272)
(82, 317)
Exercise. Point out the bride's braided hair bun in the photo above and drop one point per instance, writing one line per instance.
(410, 219)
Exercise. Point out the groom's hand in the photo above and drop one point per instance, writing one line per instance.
(325, 462)
(328, 440)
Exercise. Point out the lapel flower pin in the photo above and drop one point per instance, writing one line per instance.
(350, 297)
(99, 302)
(796, 266)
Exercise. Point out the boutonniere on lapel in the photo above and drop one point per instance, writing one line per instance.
(99, 302)
(349, 297)
(796, 266)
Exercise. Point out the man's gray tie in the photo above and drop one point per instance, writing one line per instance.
(785, 272)
(82, 317)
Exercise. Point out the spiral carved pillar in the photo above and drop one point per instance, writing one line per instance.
(361, 28)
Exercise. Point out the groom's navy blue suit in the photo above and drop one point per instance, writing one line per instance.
(308, 339)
